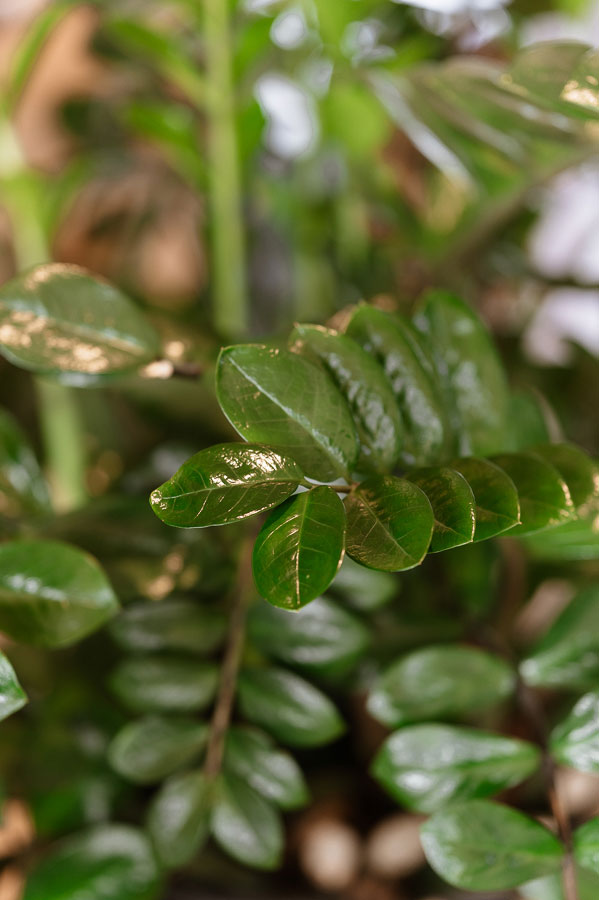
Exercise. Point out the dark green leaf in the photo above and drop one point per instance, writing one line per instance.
(544, 497)
(364, 589)
(580, 473)
(424, 767)
(170, 684)
(389, 524)
(245, 825)
(169, 625)
(179, 817)
(395, 345)
(299, 548)
(12, 695)
(576, 539)
(287, 706)
(252, 756)
(497, 507)
(103, 863)
(23, 490)
(58, 318)
(575, 741)
(470, 373)
(148, 749)
(453, 506)
(439, 681)
(568, 655)
(483, 846)
(366, 389)
(225, 483)
(278, 398)
(586, 845)
(51, 593)
(527, 421)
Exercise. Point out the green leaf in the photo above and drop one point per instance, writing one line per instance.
(324, 636)
(393, 343)
(575, 741)
(23, 490)
(169, 684)
(586, 845)
(497, 507)
(52, 594)
(278, 398)
(453, 506)
(12, 695)
(544, 497)
(169, 625)
(179, 818)
(224, 484)
(252, 756)
(364, 589)
(58, 318)
(527, 418)
(559, 75)
(568, 655)
(299, 548)
(102, 863)
(552, 887)
(148, 749)
(366, 389)
(580, 473)
(288, 707)
(482, 846)
(574, 540)
(245, 825)
(470, 373)
(389, 524)
(439, 681)
(425, 767)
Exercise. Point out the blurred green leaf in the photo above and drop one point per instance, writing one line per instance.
(169, 625)
(497, 507)
(578, 471)
(179, 817)
(543, 494)
(364, 589)
(171, 684)
(272, 772)
(245, 825)
(575, 741)
(148, 749)
(12, 695)
(23, 490)
(586, 845)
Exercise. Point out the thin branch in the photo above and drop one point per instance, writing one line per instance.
(340, 488)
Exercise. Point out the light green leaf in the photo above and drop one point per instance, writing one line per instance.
(299, 548)
(59, 319)
(148, 749)
(12, 695)
(169, 625)
(389, 524)
(251, 755)
(439, 681)
(278, 398)
(179, 817)
(23, 490)
(288, 707)
(224, 484)
(575, 741)
(245, 825)
(171, 684)
(527, 418)
(552, 887)
(453, 506)
(497, 507)
(364, 589)
(482, 846)
(586, 845)
(52, 594)
(580, 473)
(425, 767)
(544, 497)
(574, 540)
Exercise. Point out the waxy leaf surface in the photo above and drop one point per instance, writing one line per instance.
(575, 741)
(252, 756)
(169, 625)
(23, 490)
(453, 506)
(170, 684)
(580, 473)
(245, 825)
(12, 695)
(148, 749)
(497, 507)
(179, 818)
(544, 497)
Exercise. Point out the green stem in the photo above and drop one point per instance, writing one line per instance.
(230, 308)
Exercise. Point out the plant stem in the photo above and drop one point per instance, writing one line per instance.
(340, 488)
(230, 308)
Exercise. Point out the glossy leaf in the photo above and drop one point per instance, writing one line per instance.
(482, 846)
(169, 684)
(281, 399)
(179, 818)
(148, 749)
(389, 524)
(544, 497)
(575, 741)
(364, 589)
(368, 393)
(52, 594)
(169, 625)
(568, 655)
(424, 767)
(299, 548)
(439, 681)
(225, 483)
(12, 695)
(58, 318)
(453, 506)
(272, 772)
(23, 490)
(470, 373)
(102, 863)
(245, 825)
(394, 344)
(586, 845)
(497, 507)
(288, 707)
(579, 472)
(552, 887)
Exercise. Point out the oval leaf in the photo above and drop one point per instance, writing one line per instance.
(497, 507)
(586, 845)
(453, 506)
(245, 825)
(389, 524)
(578, 471)
(23, 490)
(544, 497)
(179, 818)
(52, 594)
(12, 695)
(149, 749)
(169, 625)
(58, 318)
(278, 398)
(164, 683)
(225, 483)
(575, 741)
(252, 756)
(299, 548)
